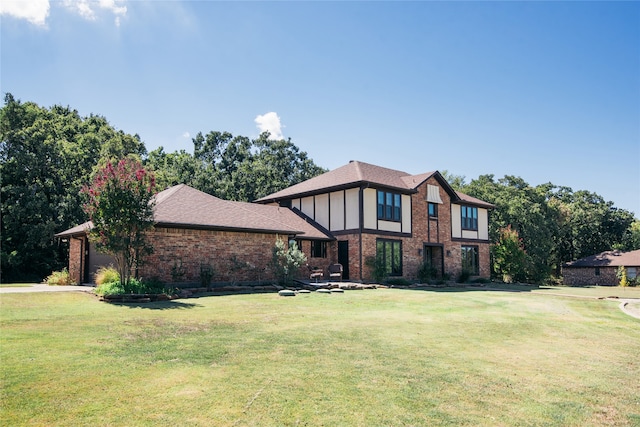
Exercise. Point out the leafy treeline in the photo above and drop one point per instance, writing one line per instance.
(234, 168)
(48, 155)
(554, 224)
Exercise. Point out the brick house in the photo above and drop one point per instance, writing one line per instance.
(601, 269)
(194, 229)
(346, 215)
(405, 219)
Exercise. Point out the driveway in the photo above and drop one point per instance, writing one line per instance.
(45, 288)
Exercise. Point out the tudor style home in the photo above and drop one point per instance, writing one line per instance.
(346, 215)
(404, 219)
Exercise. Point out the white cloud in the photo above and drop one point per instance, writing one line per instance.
(186, 135)
(34, 11)
(270, 122)
(88, 8)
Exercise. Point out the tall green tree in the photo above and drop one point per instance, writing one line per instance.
(120, 206)
(46, 156)
(239, 168)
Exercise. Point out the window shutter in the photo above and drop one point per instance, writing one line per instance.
(433, 194)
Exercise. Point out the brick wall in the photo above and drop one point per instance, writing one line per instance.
(582, 276)
(234, 256)
(76, 259)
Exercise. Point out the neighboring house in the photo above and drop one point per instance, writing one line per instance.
(346, 215)
(601, 269)
(194, 229)
(404, 219)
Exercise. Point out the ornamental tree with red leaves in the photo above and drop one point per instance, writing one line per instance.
(120, 205)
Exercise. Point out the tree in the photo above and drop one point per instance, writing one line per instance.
(509, 256)
(286, 261)
(46, 156)
(120, 205)
(631, 238)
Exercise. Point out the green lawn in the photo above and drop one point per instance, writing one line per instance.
(383, 357)
(17, 285)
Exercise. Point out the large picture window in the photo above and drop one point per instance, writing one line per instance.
(470, 260)
(469, 217)
(390, 253)
(389, 206)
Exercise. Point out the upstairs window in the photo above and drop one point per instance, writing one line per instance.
(389, 206)
(469, 218)
(433, 210)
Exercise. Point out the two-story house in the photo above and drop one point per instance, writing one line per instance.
(403, 219)
(346, 215)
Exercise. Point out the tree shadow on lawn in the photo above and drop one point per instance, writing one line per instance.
(159, 305)
(489, 287)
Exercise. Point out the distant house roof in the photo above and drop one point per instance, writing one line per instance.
(608, 259)
(356, 173)
(185, 207)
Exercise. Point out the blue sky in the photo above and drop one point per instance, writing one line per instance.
(548, 91)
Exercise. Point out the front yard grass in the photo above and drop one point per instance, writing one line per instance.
(385, 357)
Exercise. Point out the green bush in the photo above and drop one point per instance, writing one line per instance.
(426, 272)
(464, 276)
(377, 267)
(106, 275)
(110, 288)
(135, 286)
(59, 278)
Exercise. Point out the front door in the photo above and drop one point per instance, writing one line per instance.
(433, 257)
(343, 257)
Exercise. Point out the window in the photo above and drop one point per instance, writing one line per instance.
(433, 210)
(470, 261)
(390, 253)
(469, 217)
(389, 206)
(318, 249)
(632, 272)
(597, 271)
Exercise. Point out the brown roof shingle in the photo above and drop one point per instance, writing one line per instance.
(185, 207)
(608, 259)
(355, 173)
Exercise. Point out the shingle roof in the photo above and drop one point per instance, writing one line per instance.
(608, 259)
(351, 175)
(185, 207)
(472, 200)
(355, 173)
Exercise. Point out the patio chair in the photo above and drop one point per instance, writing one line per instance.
(335, 271)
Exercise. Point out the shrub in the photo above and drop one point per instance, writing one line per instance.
(106, 275)
(621, 274)
(206, 275)
(110, 288)
(426, 272)
(464, 276)
(135, 286)
(378, 268)
(285, 262)
(59, 278)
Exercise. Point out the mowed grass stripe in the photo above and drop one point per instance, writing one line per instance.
(362, 358)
